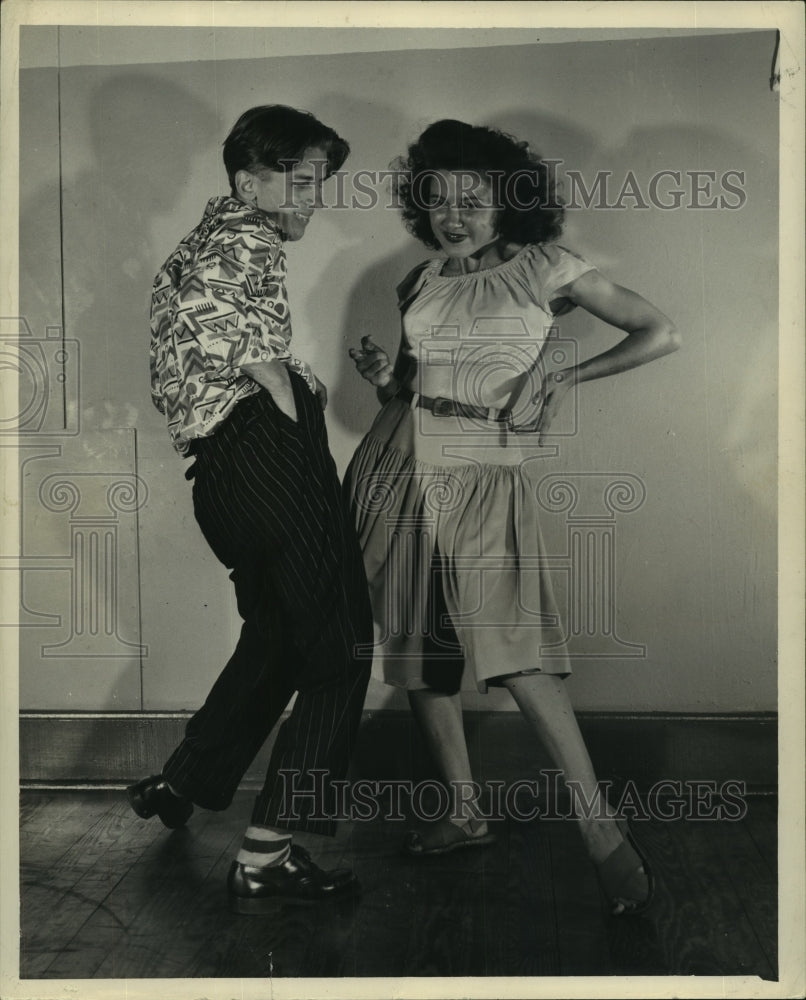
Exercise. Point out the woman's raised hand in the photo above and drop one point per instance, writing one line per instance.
(372, 363)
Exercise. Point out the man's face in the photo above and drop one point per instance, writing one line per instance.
(289, 197)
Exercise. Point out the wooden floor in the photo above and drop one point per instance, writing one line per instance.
(107, 895)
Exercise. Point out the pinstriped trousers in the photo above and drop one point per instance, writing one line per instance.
(267, 498)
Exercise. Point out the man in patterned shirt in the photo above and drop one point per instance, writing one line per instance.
(268, 500)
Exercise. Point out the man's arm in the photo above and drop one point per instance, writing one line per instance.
(274, 377)
(235, 324)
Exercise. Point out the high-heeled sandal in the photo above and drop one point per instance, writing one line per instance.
(626, 877)
(444, 837)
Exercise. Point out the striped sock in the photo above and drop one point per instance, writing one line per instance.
(263, 847)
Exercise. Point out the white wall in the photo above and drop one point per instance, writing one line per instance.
(140, 154)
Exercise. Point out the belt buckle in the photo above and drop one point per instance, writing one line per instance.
(443, 407)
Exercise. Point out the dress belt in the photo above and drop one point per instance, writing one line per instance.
(442, 406)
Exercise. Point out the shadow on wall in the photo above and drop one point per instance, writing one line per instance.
(718, 272)
(128, 144)
(126, 147)
(148, 133)
(550, 136)
(371, 310)
(371, 306)
(694, 184)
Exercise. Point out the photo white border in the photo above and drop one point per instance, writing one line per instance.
(788, 17)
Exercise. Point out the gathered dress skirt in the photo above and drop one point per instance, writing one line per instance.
(459, 580)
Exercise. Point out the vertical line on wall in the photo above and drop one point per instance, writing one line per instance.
(61, 218)
(708, 622)
(139, 573)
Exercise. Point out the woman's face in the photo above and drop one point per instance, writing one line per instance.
(462, 210)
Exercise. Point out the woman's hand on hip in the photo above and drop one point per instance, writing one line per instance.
(552, 393)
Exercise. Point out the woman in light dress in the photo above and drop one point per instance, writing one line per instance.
(446, 515)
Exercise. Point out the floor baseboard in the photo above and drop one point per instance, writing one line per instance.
(93, 749)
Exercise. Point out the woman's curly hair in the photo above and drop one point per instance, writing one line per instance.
(530, 209)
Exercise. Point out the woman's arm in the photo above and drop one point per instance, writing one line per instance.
(650, 335)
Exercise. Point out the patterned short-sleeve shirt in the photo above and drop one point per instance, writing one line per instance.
(218, 302)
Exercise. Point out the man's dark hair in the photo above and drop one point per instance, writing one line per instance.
(274, 137)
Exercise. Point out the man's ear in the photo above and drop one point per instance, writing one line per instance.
(245, 185)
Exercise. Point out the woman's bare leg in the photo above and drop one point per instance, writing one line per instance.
(543, 700)
(440, 719)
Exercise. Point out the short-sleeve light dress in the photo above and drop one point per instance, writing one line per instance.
(445, 503)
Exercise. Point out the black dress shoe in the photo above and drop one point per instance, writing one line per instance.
(153, 797)
(297, 880)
